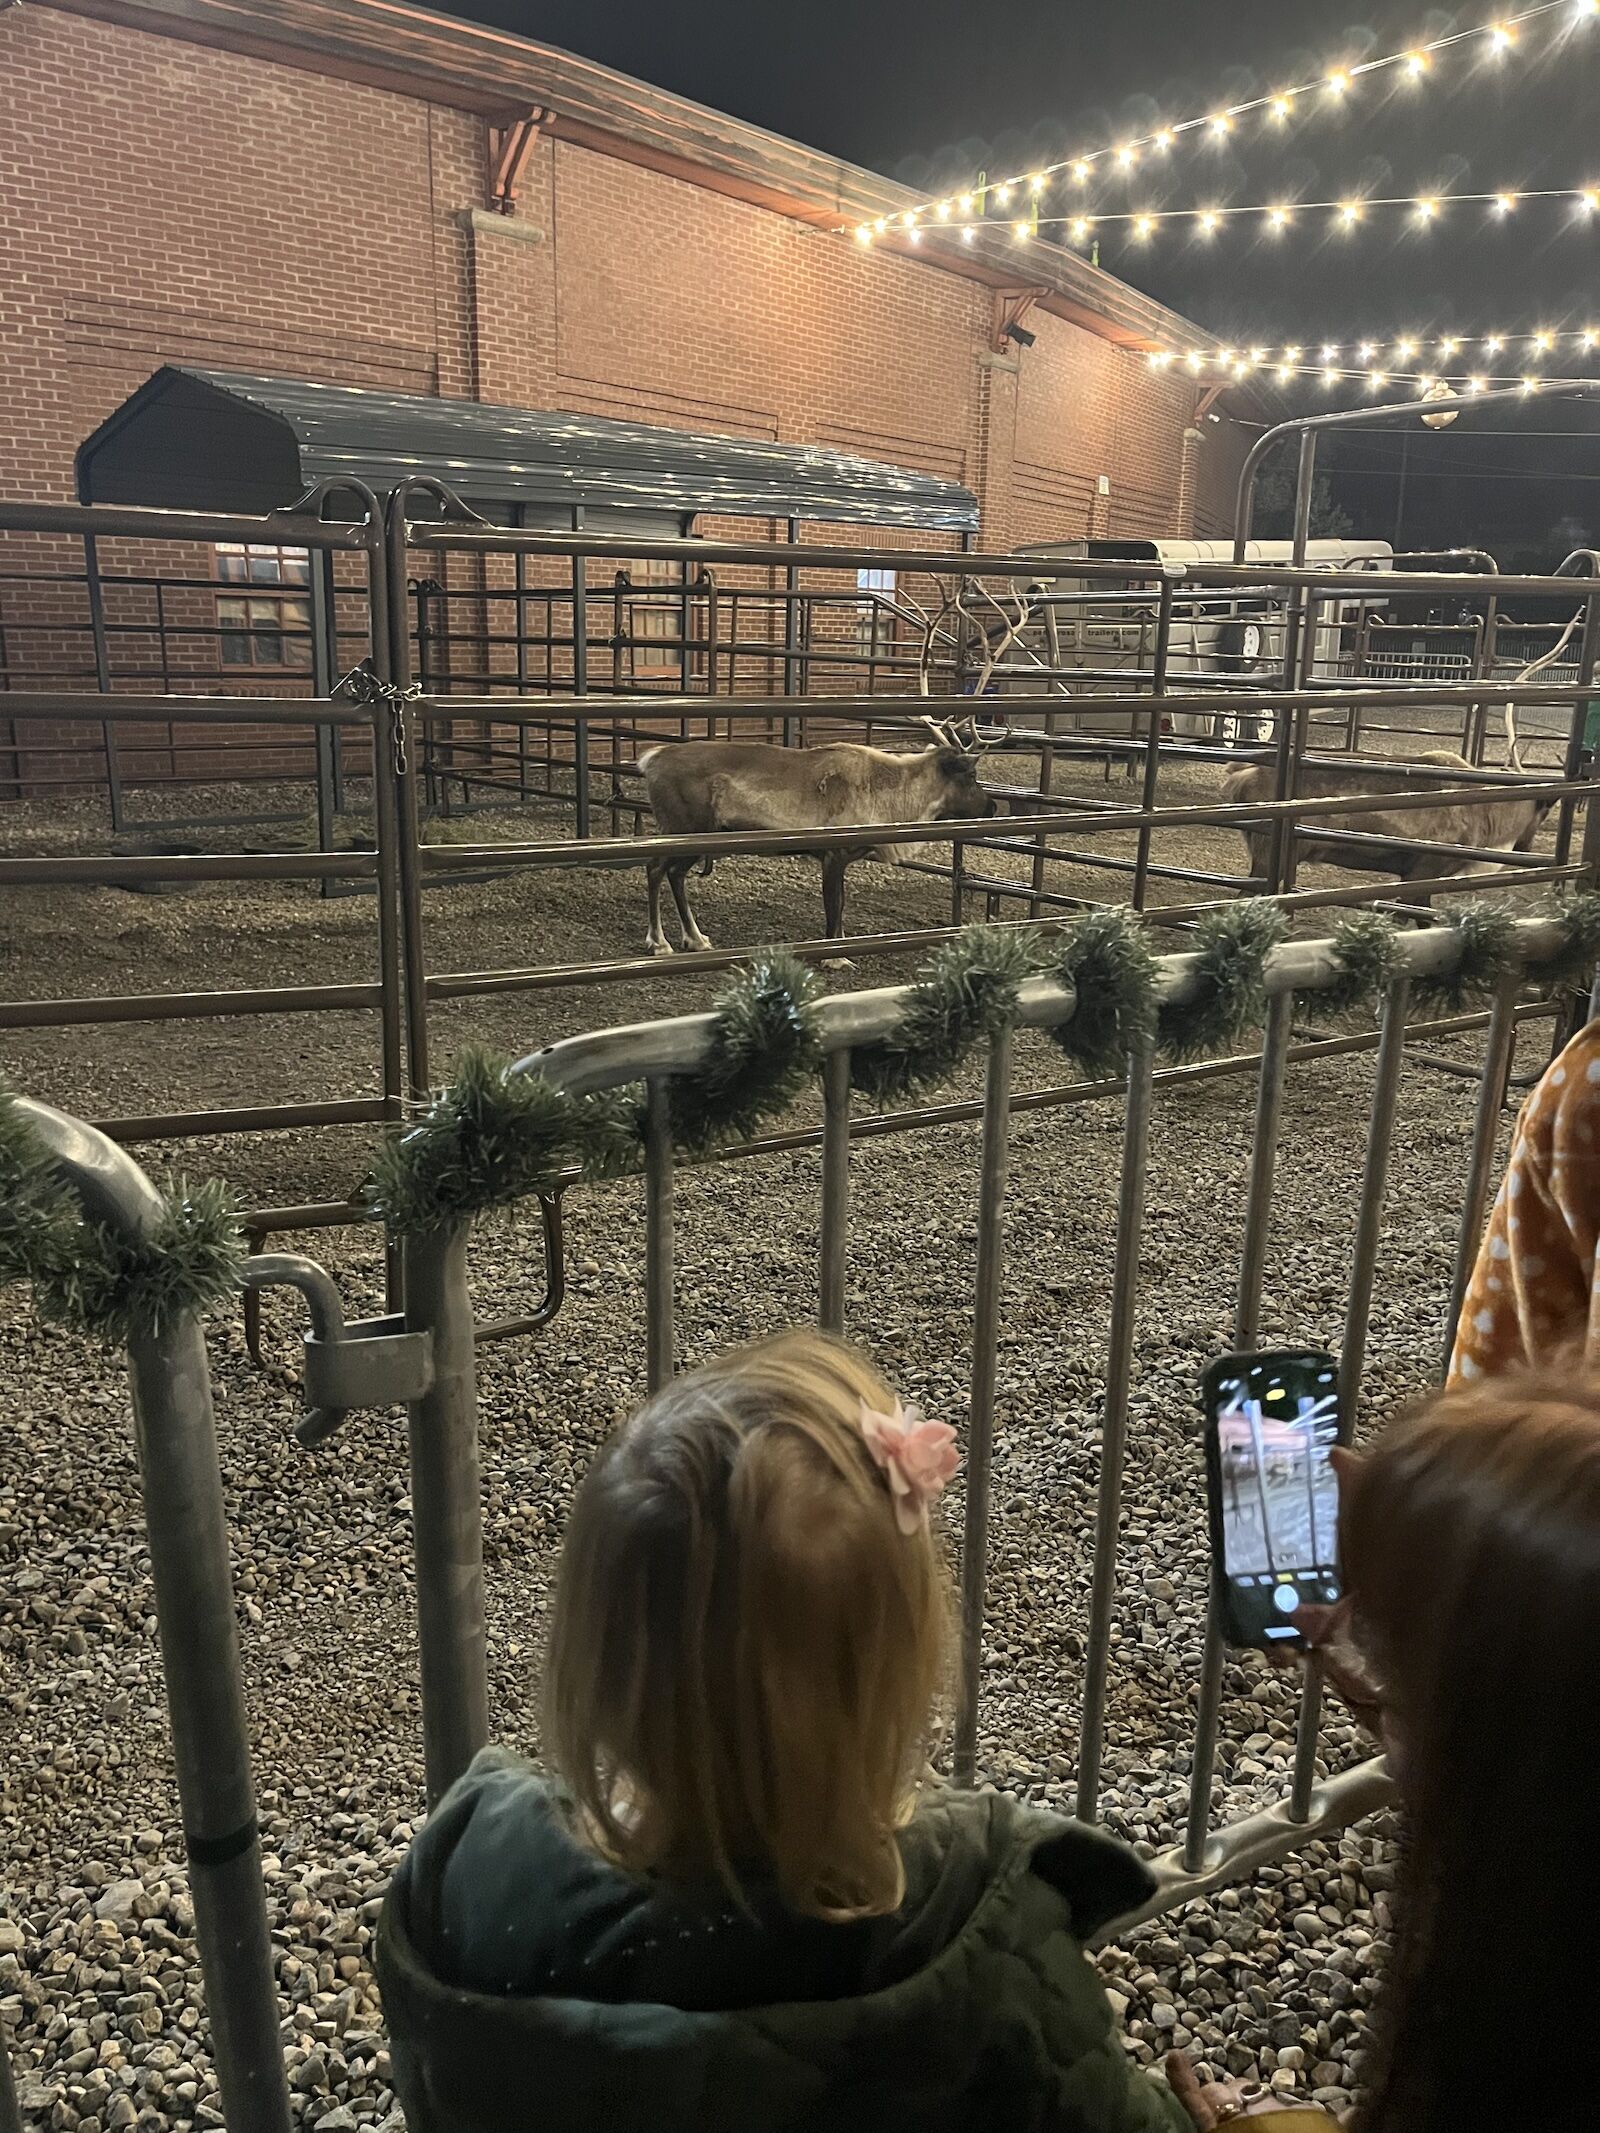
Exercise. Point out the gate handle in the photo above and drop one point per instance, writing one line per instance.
(371, 1362)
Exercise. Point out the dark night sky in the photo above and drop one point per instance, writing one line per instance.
(934, 92)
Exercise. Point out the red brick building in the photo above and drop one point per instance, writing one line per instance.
(309, 188)
(361, 193)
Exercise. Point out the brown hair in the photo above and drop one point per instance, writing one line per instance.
(1471, 1541)
(746, 1648)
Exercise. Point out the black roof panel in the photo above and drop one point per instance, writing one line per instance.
(225, 441)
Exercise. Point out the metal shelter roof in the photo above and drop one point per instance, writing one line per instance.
(213, 440)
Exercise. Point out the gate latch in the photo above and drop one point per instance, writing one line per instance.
(371, 1362)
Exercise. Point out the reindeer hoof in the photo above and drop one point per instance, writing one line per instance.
(658, 947)
(696, 942)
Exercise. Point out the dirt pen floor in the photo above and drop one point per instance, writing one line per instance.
(99, 1985)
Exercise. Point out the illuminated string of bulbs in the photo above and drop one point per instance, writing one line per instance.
(1369, 369)
(1412, 62)
(1277, 216)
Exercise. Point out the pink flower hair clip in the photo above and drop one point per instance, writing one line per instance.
(917, 1456)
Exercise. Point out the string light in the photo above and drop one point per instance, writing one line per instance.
(1349, 213)
(1081, 227)
(1278, 218)
(1427, 208)
(1504, 203)
(1127, 157)
(1493, 342)
(944, 211)
(1367, 351)
(1476, 384)
(1210, 222)
(1143, 226)
(1415, 61)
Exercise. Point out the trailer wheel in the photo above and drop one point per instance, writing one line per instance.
(1239, 645)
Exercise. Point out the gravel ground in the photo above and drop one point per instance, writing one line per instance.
(99, 1986)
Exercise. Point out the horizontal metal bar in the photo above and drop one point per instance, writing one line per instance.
(191, 866)
(1222, 814)
(258, 1118)
(683, 1043)
(281, 529)
(186, 1006)
(76, 704)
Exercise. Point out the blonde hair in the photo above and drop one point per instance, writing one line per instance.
(746, 1648)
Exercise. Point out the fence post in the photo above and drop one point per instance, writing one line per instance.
(446, 1511)
(186, 1524)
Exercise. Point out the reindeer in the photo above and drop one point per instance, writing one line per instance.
(700, 787)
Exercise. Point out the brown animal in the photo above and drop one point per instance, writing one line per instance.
(1500, 823)
(700, 787)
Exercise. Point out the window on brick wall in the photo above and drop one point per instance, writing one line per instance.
(876, 623)
(268, 625)
(655, 619)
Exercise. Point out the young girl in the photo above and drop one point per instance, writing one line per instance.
(733, 1914)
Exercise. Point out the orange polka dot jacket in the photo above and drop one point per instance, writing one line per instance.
(1532, 1292)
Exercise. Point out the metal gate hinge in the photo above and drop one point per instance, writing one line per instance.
(371, 1362)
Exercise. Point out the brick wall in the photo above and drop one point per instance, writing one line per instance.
(168, 202)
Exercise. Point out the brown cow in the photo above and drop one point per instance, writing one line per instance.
(1500, 822)
(700, 787)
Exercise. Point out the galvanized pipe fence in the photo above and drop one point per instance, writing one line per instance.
(379, 716)
(425, 1357)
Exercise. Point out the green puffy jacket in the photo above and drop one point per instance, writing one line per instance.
(528, 1984)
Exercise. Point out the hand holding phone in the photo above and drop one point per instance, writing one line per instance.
(1271, 1421)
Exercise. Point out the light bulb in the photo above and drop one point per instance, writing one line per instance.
(1002, 193)
(1278, 218)
(944, 211)
(1036, 182)
(1424, 386)
(1080, 172)
(909, 218)
(1284, 373)
(1281, 106)
(965, 203)
(1329, 351)
(1081, 227)
(1530, 385)
(916, 236)
(1143, 225)
(1504, 203)
(1589, 338)
(1476, 384)
(966, 234)
(1367, 351)
(1164, 138)
(1589, 7)
(1127, 156)
(1416, 64)
(1501, 37)
(1427, 208)
(1330, 377)
(1019, 230)
(1227, 356)
(1349, 213)
(1338, 82)
(1292, 355)
(1219, 123)
(1195, 360)
(1245, 365)
(864, 234)
(1493, 343)
(1405, 350)
(1376, 378)
(1209, 221)
(1449, 345)
(881, 224)
(1544, 342)
(1589, 201)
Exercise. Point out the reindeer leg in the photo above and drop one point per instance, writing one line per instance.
(678, 877)
(655, 940)
(833, 866)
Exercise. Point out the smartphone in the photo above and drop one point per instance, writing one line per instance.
(1270, 1422)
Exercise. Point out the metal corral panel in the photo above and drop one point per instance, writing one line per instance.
(212, 440)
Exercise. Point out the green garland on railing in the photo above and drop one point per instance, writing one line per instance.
(1488, 953)
(1108, 961)
(967, 992)
(1230, 995)
(493, 1137)
(90, 1277)
(1366, 947)
(765, 1048)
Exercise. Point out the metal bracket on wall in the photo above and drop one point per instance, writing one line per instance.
(509, 150)
(1011, 308)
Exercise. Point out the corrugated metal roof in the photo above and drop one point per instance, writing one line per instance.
(205, 439)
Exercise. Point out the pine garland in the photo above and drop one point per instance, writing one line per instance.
(1107, 959)
(1366, 948)
(1230, 999)
(1573, 964)
(968, 992)
(91, 1277)
(1488, 935)
(765, 1049)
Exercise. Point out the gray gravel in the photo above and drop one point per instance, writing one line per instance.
(99, 1986)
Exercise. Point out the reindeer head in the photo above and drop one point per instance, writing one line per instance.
(958, 749)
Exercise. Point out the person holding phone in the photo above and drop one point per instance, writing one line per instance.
(1532, 1292)
(1469, 1540)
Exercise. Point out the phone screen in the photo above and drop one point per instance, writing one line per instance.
(1271, 1421)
